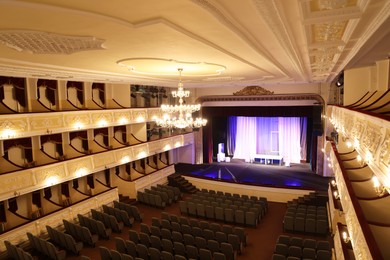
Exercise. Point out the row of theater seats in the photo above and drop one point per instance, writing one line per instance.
(248, 217)
(80, 233)
(64, 240)
(120, 215)
(232, 200)
(174, 193)
(108, 220)
(130, 250)
(95, 226)
(298, 248)
(16, 252)
(185, 245)
(315, 198)
(237, 209)
(159, 196)
(131, 210)
(196, 224)
(308, 219)
(107, 254)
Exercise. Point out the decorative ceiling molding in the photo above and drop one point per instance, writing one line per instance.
(169, 67)
(270, 11)
(379, 19)
(37, 42)
(241, 32)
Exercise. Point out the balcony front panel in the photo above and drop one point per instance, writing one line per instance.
(24, 125)
(36, 178)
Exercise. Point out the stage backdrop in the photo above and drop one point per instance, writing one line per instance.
(285, 136)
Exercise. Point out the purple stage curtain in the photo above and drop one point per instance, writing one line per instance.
(284, 136)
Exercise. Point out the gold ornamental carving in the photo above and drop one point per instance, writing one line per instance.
(253, 90)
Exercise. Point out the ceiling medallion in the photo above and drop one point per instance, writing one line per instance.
(253, 90)
(38, 42)
(169, 67)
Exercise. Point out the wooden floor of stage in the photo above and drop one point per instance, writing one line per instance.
(297, 176)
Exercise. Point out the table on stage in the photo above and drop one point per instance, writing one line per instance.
(268, 158)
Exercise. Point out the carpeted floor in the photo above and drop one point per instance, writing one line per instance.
(296, 176)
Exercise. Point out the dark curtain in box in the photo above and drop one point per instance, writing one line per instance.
(80, 90)
(36, 198)
(65, 189)
(90, 181)
(75, 184)
(50, 90)
(47, 192)
(13, 205)
(3, 216)
(100, 87)
(107, 176)
(103, 132)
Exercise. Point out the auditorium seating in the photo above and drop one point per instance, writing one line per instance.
(109, 221)
(120, 215)
(159, 196)
(131, 210)
(222, 207)
(174, 239)
(64, 240)
(307, 219)
(95, 226)
(80, 233)
(287, 247)
(16, 252)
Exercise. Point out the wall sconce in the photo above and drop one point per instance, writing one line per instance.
(336, 195)
(333, 183)
(346, 238)
(380, 189)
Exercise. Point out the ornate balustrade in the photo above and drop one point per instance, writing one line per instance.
(29, 124)
(37, 178)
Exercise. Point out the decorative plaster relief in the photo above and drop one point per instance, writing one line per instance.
(38, 42)
(48, 122)
(371, 137)
(77, 120)
(103, 159)
(49, 175)
(75, 165)
(253, 90)
(15, 182)
(384, 151)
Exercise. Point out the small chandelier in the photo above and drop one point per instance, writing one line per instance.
(180, 116)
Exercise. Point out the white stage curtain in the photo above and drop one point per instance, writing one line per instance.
(290, 139)
(246, 138)
(270, 135)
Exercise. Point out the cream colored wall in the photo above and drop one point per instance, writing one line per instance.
(383, 74)
(356, 83)
(360, 80)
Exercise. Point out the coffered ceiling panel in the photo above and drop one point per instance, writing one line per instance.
(216, 42)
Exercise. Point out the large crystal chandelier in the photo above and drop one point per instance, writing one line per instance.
(180, 115)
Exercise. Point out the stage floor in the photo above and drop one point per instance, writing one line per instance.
(297, 176)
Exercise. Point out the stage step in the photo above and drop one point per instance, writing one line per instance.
(184, 185)
(126, 199)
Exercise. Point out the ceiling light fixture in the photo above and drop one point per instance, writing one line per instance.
(180, 116)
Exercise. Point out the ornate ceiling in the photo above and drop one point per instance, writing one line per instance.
(217, 42)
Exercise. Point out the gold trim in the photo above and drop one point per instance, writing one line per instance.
(253, 90)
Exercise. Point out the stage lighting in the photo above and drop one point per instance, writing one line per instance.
(340, 81)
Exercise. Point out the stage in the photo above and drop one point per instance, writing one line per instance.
(297, 176)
